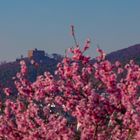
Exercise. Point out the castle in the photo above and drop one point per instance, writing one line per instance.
(36, 54)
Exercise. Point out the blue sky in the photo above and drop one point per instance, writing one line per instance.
(45, 24)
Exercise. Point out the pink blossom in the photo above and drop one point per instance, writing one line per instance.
(84, 101)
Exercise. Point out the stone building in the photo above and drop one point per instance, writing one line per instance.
(36, 54)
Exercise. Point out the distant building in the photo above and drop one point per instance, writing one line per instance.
(36, 54)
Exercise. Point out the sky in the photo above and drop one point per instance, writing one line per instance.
(45, 24)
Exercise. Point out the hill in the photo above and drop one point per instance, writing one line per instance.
(124, 55)
(47, 63)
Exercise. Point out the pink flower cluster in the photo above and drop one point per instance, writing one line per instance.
(82, 101)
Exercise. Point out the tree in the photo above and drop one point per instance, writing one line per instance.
(82, 100)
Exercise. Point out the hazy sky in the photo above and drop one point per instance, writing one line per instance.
(44, 24)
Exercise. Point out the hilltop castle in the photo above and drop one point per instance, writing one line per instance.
(40, 56)
(36, 54)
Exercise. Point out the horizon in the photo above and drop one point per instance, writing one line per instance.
(45, 25)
